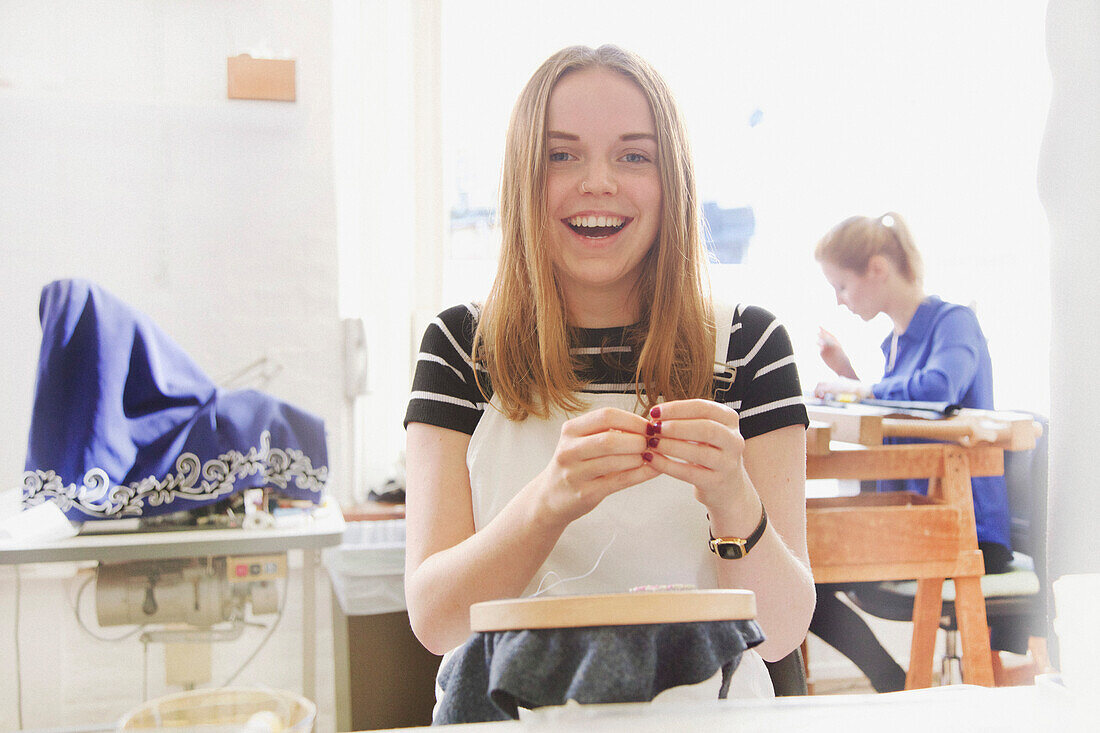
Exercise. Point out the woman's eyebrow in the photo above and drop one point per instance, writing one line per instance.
(558, 135)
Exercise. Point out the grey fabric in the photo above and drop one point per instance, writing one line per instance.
(494, 674)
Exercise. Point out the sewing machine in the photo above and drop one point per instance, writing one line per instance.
(203, 578)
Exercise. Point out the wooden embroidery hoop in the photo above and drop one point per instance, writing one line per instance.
(613, 609)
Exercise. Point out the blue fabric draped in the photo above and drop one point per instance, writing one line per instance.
(126, 424)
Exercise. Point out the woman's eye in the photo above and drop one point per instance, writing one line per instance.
(635, 158)
(559, 157)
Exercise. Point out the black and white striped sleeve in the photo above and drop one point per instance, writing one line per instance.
(444, 392)
(766, 391)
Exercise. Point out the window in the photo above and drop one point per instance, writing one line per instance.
(802, 113)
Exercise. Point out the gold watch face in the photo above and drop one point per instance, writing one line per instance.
(735, 548)
(729, 549)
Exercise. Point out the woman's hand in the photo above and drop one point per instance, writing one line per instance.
(699, 441)
(598, 454)
(843, 388)
(833, 355)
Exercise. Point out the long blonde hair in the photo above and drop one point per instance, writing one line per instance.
(522, 337)
(853, 242)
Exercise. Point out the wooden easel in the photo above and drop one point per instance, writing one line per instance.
(901, 535)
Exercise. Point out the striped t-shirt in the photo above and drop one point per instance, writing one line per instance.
(765, 390)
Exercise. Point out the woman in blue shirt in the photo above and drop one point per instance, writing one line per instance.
(936, 352)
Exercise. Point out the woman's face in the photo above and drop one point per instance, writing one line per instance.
(603, 184)
(857, 292)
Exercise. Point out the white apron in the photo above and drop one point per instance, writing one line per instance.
(654, 533)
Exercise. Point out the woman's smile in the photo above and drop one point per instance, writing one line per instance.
(597, 226)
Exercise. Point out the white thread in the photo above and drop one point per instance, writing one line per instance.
(540, 590)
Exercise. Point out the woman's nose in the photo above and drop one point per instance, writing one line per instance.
(599, 179)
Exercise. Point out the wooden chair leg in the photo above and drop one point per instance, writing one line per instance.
(806, 666)
(1037, 647)
(1021, 670)
(1000, 673)
(974, 631)
(927, 606)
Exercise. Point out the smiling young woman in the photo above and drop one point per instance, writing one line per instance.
(597, 420)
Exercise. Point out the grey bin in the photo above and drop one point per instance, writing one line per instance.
(384, 677)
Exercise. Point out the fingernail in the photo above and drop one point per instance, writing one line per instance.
(647, 456)
(653, 428)
(653, 442)
(655, 411)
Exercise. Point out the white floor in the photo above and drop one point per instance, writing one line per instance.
(72, 681)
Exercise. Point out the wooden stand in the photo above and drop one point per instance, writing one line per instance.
(613, 609)
(898, 536)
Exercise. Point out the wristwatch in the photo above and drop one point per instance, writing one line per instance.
(735, 548)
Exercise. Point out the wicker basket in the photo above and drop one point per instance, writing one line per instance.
(249, 710)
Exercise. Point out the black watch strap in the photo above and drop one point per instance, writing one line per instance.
(735, 548)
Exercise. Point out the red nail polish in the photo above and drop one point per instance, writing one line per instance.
(647, 456)
(655, 411)
(650, 429)
(653, 442)
(657, 427)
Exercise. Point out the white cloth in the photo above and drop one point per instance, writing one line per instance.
(651, 534)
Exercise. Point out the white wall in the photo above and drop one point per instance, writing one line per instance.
(122, 161)
(1070, 187)
(389, 204)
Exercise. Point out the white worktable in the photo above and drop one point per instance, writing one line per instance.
(932, 710)
(309, 533)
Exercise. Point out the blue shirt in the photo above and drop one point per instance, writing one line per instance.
(943, 357)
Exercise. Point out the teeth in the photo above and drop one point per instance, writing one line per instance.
(597, 221)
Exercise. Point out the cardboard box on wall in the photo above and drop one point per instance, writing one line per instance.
(250, 78)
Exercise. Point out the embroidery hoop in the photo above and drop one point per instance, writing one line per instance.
(613, 609)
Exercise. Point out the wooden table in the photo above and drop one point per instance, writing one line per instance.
(902, 535)
(1033, 708)
(868, 425)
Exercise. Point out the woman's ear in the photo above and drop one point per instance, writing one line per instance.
(878, 267)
